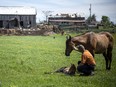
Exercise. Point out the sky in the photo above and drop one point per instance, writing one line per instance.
(81, 7)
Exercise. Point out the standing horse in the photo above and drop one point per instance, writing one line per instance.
(94, 42)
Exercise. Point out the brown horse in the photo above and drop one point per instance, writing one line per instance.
(94, 42)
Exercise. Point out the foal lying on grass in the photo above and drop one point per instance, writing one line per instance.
(66, 70)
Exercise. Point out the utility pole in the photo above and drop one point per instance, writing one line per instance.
(90, 12)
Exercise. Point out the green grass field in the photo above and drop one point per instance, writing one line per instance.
(25, 59)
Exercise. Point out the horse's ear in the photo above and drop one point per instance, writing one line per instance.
(69, 37)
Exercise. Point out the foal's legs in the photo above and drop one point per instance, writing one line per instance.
(106, 59)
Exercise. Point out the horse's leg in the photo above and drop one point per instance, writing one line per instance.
(106, 59)
(109, 55)
(92, 52)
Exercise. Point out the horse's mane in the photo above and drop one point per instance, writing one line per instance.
(85, 33)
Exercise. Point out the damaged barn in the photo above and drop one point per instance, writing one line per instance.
(17, 16)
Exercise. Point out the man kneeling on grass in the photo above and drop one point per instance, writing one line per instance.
(87, 64)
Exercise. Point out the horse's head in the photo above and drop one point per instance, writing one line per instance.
(70, 45)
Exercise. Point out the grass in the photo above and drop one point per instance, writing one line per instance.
(25, 59)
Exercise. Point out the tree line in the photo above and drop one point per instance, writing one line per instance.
(105, 21)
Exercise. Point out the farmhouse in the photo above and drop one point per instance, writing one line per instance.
(17, 16)
(67, 20)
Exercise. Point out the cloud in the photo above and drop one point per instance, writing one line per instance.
(99, 7)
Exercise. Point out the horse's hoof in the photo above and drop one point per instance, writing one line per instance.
(108, 68)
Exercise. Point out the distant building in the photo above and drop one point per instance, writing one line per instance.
(17, 16)
(67, 20)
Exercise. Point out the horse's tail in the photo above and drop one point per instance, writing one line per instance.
(109, 50)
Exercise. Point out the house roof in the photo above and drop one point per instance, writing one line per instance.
(67, 20)
(17, 10)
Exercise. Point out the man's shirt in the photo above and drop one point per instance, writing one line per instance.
(87, 58)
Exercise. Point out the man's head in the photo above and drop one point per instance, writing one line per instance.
(81, 48)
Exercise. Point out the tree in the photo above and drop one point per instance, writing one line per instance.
(91, 19)
(47, 13)
(105, 21)
(111, 24)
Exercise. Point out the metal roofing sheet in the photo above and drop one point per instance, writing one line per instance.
(17, 10)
